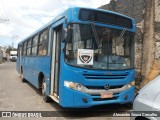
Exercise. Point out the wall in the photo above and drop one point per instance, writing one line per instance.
(147, 37)
(157, 28)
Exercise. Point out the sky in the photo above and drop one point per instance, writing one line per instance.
(20, 18)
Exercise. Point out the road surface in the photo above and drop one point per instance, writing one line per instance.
(18, 96)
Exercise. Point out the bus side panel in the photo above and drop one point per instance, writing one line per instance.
(29, 69)
(41, 65)
(18, 65)
(18, 61)
(34, 78)
(33, 66)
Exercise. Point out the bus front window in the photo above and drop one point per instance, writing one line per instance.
(113, 49)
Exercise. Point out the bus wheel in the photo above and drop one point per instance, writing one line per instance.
(44, 86)
(22, 77)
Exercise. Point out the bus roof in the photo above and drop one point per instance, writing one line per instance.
(70, 15)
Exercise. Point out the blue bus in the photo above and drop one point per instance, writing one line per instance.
(82, 58)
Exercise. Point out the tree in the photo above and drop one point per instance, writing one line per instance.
(9, 48)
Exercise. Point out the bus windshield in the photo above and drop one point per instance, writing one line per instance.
(112, 48)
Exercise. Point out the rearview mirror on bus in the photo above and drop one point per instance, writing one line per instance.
(64, 34)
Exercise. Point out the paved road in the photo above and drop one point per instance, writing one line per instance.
(18, 96)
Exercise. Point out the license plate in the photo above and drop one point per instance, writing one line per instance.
(107, 95)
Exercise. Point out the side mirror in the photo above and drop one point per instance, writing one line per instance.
(64, 34)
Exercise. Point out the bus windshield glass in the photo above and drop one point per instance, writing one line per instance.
(112, 48)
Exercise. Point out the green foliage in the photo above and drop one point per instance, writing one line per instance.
(9, 48)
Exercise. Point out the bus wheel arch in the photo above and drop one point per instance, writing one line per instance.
(43, 86)
(21, 70)
(40, 79)
(22, 75)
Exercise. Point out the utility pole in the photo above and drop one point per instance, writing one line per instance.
(13, 38)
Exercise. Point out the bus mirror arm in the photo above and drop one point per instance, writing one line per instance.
(64, 34)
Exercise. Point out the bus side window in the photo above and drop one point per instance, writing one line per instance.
(18, 50)
(29, 47)
(34, 45)
(24, 48)
(43, 43)
(49, 39)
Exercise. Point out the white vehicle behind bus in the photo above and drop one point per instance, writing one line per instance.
(13, 56)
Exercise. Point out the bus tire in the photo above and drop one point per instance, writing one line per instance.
(44, 86)
(22, 77)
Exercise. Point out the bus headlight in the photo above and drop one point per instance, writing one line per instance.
(73, 85)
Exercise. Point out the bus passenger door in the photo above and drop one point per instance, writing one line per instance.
(55, 64)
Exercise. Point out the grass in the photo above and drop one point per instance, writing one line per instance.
(2, 61)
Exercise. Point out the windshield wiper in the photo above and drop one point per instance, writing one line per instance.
(121, 35)
(95, 35)
(120, 38)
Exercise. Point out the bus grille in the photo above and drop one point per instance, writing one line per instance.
(102, 87)
(107, 77)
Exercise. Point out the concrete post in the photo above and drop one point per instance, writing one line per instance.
(148, 42)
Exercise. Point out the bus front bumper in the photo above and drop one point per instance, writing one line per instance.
(77, 99)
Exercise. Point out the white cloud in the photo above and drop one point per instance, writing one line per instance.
(25, 16)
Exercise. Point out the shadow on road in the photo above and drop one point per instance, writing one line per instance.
(96, 111)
